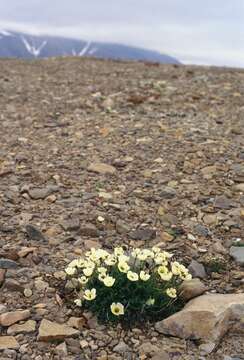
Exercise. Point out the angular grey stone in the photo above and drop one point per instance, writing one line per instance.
(42, 193)
(8, 264)
(121, 347)
(237, 252)
(167, 192)
(143, 234)
(34, 233)
(222, 202)
(197, 270)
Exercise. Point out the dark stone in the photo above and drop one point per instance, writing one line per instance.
(222, 202)
(71, 224)
(34, 233)
(201, 230)
(89, 230)
(143, 234)
(167, 192)
(42, 193)
(8, 264)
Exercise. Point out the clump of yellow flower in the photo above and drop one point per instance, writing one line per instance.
(101, 270)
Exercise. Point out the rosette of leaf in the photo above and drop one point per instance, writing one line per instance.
(128, 286)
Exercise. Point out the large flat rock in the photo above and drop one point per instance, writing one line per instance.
(51, 331)
(206, 317)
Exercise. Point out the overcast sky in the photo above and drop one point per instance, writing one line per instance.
(195, 31)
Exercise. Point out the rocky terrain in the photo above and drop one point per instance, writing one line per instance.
(103, 153)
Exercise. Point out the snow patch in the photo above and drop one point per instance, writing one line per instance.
(5, 32)
(35, 51)
(85, 49)
(92, 51)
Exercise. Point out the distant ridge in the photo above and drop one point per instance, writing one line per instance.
(20, 45)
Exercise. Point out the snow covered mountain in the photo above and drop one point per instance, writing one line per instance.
(19, 45)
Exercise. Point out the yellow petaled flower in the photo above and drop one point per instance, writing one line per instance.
(102, 276)
(135, 252)
(70, 270)
(108, 281)
(102, 270)
(88, 271)
(150, 302)
(117, 309)
(144, 276)
(167, 276)
(74, 263)
(171, 292)
(80, 263)
(90, 294)
(176, 268)
(186, 277)
(164, 273)
(123, 267)
(145, 254)
(110, 261)
(78, 302)
(102, 254)
(162, 270)
(123, 258)
(156, 249)
(118, 251)
(132, 276)
(83, 280)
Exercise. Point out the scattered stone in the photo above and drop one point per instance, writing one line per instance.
(201, 230)
(25, 251)
(143, 234)
(34, 233)
(2, 309)
(8, 264)
(2, 276)
(84, 344)
(197, 270)
(166, 237)
(191, 288)
(28, 327)
(167, 192)
(28, 292)
(89, 230)
(88, 244)
(121, 348)
(122, 227)
(61, 350)
(13, 317)
(77, 323)
(237, 252)
(207, 348)
(222, 202)
(210, 219)
(42, 193)
(102, 168)
(13, 285)
(72, 224)
(239, 187)
(8, 342)
(216, 311)
(161, 355)
(51, 331)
